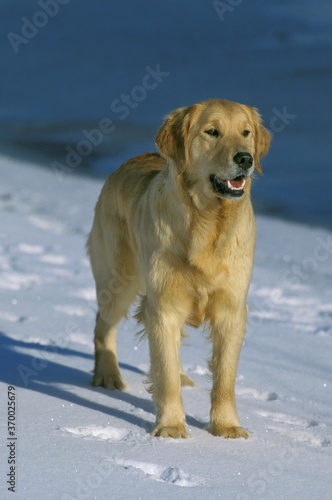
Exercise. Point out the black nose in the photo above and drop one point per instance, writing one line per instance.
(244, 160)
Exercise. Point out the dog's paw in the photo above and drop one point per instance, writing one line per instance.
(232, 432)
(174, 431)
(110, 381)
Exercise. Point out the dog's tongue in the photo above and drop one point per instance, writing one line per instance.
(237, 183)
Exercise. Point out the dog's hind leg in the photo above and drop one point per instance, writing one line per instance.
(106, 372)
(117, 287)
(185, 380)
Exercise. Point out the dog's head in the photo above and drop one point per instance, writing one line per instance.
(216, 145)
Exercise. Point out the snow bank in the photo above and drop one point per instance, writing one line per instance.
(79, 442)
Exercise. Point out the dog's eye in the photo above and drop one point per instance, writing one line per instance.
(245, 133)
(213, 131)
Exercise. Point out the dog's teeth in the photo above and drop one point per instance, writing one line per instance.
(229, 185)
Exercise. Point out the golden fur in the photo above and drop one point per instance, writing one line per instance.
(178, 230)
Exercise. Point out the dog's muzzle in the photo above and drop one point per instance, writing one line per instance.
(234, 188)
(231, 187)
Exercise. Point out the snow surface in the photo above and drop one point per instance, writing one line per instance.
(79, 442)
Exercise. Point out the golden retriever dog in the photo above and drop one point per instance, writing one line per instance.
(177, 230)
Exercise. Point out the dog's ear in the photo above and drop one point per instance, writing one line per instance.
(262, 139)
(172, 137)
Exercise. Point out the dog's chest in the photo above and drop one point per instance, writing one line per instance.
(208, 251)
(208, 274)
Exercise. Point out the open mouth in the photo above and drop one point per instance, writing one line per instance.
(231, 187)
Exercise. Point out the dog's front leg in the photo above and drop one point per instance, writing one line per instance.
(164, 333)
(228, 329)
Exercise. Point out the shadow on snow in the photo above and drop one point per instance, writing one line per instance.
(43, 374)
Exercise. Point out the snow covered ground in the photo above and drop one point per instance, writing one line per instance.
(79, 442)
